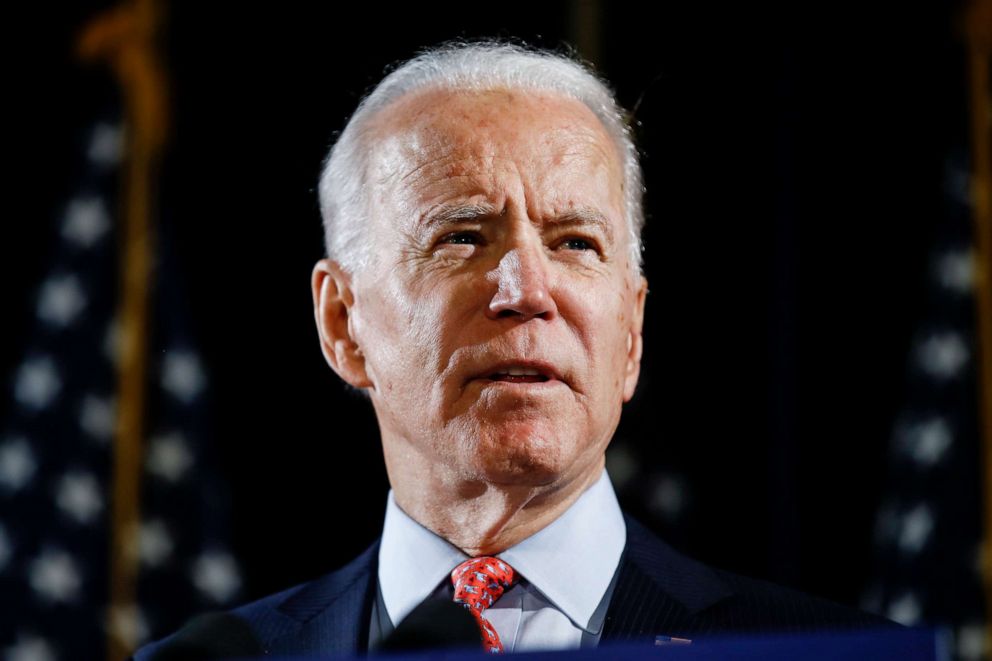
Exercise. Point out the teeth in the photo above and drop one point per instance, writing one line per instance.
(519, 371)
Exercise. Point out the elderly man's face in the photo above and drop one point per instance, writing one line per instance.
(500, 321)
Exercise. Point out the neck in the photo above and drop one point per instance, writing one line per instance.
(479, 517)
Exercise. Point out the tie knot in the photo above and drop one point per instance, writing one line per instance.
(481, 581)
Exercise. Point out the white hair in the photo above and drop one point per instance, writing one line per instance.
(474, 66)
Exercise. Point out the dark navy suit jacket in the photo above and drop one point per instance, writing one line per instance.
(658, 592)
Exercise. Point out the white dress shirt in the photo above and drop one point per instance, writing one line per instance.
(565, 571)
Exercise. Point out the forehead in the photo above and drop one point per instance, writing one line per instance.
(442, 140)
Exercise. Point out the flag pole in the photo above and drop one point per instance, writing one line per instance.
(125, 37)
(978, 29)
(585, 19)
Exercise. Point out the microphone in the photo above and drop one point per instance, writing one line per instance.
(211, 636)
(434, 624)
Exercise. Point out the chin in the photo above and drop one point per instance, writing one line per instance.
(522, 456)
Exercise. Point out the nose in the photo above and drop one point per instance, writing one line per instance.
(522, 286)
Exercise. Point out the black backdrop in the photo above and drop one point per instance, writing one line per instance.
(793, 161)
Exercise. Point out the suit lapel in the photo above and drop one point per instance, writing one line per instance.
(659, 591)
(333, 611)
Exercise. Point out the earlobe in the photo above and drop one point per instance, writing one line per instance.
(635, 342)
(333, 309)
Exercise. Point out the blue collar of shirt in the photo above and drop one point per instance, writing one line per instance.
(571, 561)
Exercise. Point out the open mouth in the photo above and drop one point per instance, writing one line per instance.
(519, 375)
(520, 372)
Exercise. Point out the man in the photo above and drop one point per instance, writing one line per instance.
(482, 286)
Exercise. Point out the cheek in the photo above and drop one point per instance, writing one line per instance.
(604, 333)
(415, 328)
(393, 336)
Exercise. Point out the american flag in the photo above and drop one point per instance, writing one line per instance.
(928, 531)
(56, 445)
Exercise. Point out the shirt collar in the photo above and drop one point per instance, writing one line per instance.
(412, 561)
(585, 542)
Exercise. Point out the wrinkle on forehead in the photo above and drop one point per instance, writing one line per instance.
(427, 130)
(548, 151)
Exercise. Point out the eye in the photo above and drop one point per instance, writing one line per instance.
(575, 243)
(461, 238)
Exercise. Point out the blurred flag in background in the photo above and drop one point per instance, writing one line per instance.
(112, 522)
(933, 528)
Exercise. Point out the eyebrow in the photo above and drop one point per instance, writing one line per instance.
(584, 216)
(456, 214)
(453, 214)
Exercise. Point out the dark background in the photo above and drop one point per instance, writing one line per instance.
(794, 164)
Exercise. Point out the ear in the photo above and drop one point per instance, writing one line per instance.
(333, 302)
(635, 343)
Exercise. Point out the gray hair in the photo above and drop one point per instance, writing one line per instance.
(475, 66)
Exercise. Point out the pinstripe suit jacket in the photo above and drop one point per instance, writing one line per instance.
(658, 592)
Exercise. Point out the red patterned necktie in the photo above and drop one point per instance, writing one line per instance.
(479, 582)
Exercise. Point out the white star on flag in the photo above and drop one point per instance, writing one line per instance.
(942, 355)
(106, 145)
(86, 221)
(30, 648)
(216, 575)
(971, 642)
(621, 464)
(169, 456)
(917, 524)
(906, 609)
(155, 544)
(927, 441)
(955, 270)
(17, 464)
(78, 495)
(98, 417)
(667, 496)
(55, 577)
(37, 383)
(182, 375)
(61, 300)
